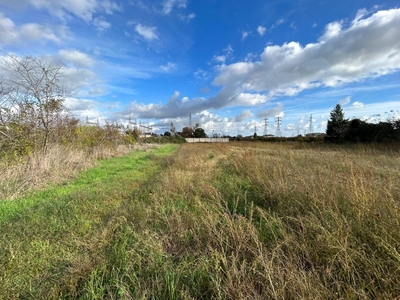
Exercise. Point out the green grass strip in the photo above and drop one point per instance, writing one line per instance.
(44, 234)
(136, 166)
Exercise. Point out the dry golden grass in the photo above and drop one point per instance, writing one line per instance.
(248, 221)
(285, 221)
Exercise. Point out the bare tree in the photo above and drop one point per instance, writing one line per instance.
(32, 98)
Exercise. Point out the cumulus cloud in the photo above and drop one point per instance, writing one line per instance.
(368, 48)
(74, 104)
(30, 32)
(261, 30)
(76, 58)
(77, 79)
(8, 30)
(149, 33)
(363, 49)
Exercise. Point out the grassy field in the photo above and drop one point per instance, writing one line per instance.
(212, 221)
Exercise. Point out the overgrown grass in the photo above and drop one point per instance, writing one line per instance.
(47, 235)
(61, 163)
(220, 221)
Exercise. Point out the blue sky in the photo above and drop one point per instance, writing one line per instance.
(230, 64)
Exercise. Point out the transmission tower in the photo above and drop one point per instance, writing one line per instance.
(265, 126)
(172, 129)
(278, 123)
(310, 129)
(190, 120)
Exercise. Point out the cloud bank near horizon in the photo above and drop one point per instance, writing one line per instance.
(368, 47)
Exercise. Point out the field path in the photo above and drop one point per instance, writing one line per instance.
(51, 232)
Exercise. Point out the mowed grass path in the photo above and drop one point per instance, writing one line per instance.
(46, 235)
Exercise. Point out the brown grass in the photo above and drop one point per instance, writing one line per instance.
(249, 221)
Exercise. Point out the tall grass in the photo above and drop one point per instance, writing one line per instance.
(60, 163)
(237, 221)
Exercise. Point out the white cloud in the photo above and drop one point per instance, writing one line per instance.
(77, 79)
(109, 7)
(360, 14)
(201, 74)
(219, 58)
(332, 30)
(345, 101)
(8, 30)
(168, 67)
(277, 23)
(35, 32)
(169, 5)
(245, 34)
(250, 99)
(149, 33)
(84, 9)
(368, 48)
(358, 105)
(261, 30)
(191, 16)
(76, 58)
(74, 104)
(101, 24)
(31, 32)
(228, 49)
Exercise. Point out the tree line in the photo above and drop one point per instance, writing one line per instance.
(339, 129)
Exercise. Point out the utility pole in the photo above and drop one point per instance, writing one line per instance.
(278, 123)
(265, 126)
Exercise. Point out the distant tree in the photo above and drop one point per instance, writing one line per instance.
(255, 135)
(167, 133)
(199, 133)
(337, 124)
(187, 132)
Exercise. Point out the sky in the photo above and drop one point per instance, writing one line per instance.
(236, 67)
